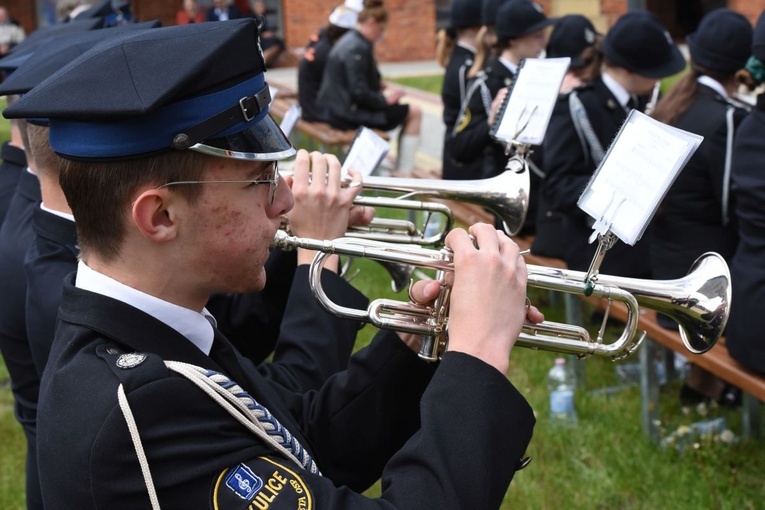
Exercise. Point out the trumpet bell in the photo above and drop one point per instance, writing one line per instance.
(506, 195)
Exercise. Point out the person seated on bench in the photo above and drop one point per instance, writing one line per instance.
(353, 90)
(311, 69)
(271, 44)
(695, 216)
(744, 336)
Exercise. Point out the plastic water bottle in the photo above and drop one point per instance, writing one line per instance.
(561, 384)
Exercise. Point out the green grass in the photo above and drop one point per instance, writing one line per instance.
(430, 84)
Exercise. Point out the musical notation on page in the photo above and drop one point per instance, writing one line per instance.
(637, 171)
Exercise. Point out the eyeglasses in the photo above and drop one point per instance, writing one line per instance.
(273, 182)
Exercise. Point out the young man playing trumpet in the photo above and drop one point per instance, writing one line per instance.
(176, 195)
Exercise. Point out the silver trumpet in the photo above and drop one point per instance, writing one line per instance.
(698, 302)
(505, 195)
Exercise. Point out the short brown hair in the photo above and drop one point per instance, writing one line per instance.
(46, 161)
(100, 193)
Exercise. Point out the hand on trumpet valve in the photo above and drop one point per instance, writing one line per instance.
(488, 300)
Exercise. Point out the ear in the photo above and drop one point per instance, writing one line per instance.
(154, 215)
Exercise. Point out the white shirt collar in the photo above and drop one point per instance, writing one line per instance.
(713, 84)
(195, 326)
(64, 215)
(466, 46)
(513, 67)
(619, 92)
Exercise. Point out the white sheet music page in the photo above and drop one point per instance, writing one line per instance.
(640, 166)
(291, 116)
(532, 99)
(367, 151)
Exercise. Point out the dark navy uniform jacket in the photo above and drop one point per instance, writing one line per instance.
(310, 72)
(472, 142)
(352, 426)
(744, 341)
(14, 162)
(310, 343)
(454, 86)
(689, 221)
(15, 237)
(568, 169)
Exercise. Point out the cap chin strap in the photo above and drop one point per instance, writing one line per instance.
(244, 111)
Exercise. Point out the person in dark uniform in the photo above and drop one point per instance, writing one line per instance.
(575, 37)
(747, 268)
(53, 254)
(521, 33)
(455, 52)
(697, 214)
(15, 235)
(144, 403)
(637, 52)
(355, 95)
(311, 67)
(14, 162)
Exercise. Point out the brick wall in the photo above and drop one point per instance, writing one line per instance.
(410, 34)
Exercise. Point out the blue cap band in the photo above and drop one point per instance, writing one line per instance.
(150, 132)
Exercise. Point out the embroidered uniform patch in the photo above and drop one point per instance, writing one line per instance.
(261, 484)
(243, 482)
(131, 360)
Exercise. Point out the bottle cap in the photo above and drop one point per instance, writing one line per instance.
(560, 361)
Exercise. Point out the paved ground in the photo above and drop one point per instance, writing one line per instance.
(429, 154)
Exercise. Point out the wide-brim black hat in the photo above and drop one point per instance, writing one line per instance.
(571, 35)
(465, 13)
(520, 17)
(489, 10)
(639, 43)
(722, 42)
(200, 86)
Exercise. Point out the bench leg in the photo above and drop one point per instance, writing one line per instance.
(649, 389)
(573, 307)
(751, 416)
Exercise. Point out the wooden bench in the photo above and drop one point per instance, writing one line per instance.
(315, 135)
(717, 360)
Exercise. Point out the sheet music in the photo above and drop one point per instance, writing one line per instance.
(637, 171)
(291, 116)
(532, 99)
(367, 151)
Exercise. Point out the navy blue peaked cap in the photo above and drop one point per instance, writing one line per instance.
(21, 52)
(520, 17)
(465, 13)
(198, 86)
(54, 53)
(489, 11)
(571, 35)
(722, 42)
(639, 43)
(113, 12)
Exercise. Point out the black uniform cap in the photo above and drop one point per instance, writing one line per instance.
(465, 13)
(722, 41)
(639, 43)
(22, 51)
(54, 53)
(520, 17)
(570, 36)
(198, 86)
(758, 43)
(489, 10)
